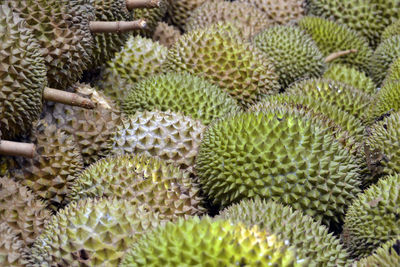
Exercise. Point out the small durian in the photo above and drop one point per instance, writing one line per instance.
(166, 34)
(11, 247)
(180, 10)
(372, 218)
(387, 255)
(181, 93)
(207, 242)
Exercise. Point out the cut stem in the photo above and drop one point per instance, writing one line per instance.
(116, 26)
(132, 4)
(67, 98)
(338, 54)
(11, 148)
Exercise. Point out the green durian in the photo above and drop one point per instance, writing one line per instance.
(166, 34)
(294, 54)
(180, 11)
(393, 74)
(203, 242)
(278, 155)
(386, 100)
(11, 247)
(387, 255)
(152, 17)
(182, 93)
(372, 218)
(311, 239)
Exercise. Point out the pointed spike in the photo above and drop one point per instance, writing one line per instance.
(116, 26)
(132, 4)
(67, 98)
(11, 148)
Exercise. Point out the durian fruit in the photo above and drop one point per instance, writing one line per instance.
(180, 10)
(218, 55)
(53, 169)
(21, 210)
(91, 129)
(331, 37)
(140, 58)
(311, 239)
(166, 34)
(391, 30)
(92, 232)
(384, 55)
(280, 11)
(141, 179)
(11, 247)
(203, 242)
(170, 136)
(387, 255)
(393, 74)
(386, 100)
(350, 76)
(247, 18)
(182, 93)
(152, 17)
(372, 218)
(294, 54)
(278, 155)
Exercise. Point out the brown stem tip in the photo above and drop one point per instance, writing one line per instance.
(338, 54)
(11, 148)
(67, 98)
(116, 26)
(132, 4)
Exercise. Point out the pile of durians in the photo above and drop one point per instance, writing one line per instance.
(200, 133)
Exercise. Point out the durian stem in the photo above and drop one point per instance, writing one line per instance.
(67, 98)
(132, 4)
(10, 148)
(338, 54)
(116, 26)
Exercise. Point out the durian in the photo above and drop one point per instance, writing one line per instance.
(11, 247)
(166, 34)
(387, 255)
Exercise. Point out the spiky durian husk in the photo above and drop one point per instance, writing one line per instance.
(22, 75)
(62, 29)
(170, 136)
(280, 11)
(139, 58)
(217, 54)
(350, 76)
(387, 100)
(393, 74)
(182, 93)
(22, 210)
(92, 232)
(294, 54)
(166, 34)
(180, 10)
(372, 218)
(55, 166)
(284, 156)
(387, 255)
(152, 16)
(332, 37)
(91, 128)
(141, 179)
(204, 242)
(391, 30)
(11, 247)
(384, 55)
(247, 18)
(311, 239)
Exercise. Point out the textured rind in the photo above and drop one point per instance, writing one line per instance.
(350, 76)
(387, 100)
(182, 93)
(371, 219)
(387, 255)
(166, 34)
(279, 156)
(218, 55)
(331, 37)
(141, 179)
(311, 239)
(384, 55)
(393, 74)
(247, 18)
(62, 29)
(91, 128)
(22, 75)
(22, 210)
(54, 167)
(11, 247)
(280, 11)
(170, 136)
(204, 242)
(180, 11)
(391, 30)
(293, 53)
(92, 233)
(140, 58)
(152, 16)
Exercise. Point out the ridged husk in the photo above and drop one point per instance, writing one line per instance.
(180, 10)
(387, 255)
(391, 30)
(11, 247)
(152, 16)
(393, 74)
(387, 100)
(166, 34)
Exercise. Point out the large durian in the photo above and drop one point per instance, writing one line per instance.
(11, 247)
(387, 255)
(166, 34)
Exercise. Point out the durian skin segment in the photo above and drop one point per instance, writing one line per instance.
(386, 255)
(141, 179)
(311, 239)
(11, 247)
(166, 34)
(236, 162)
(102, 228)
(293, 53)
(391, 30)
(386, 100)
(371, 220)
(152, 16)
(207, 242)
(180, 10)
(218, 54)
(393, 74)
(332, 37)
(182, 93)
(23, 75)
